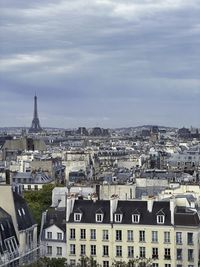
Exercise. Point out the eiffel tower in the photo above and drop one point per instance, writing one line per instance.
(35, 127)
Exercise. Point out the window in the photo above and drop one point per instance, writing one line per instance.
(99, 217)
(59, 236)
(135, 218)
(59, 251)
(10, 244)
(105, 251)
(72, 249)
(118, 235)
(190, 255)
(160, 219)
(154, 235)
(142, 236)
(190, 238)
(82, 250)
(166, 237)
(142, 252)
(72, 233)
(2, 227)
(167, 254)
(83, 234)
(154, 253)
(105, 263)
(167, 265)
(93, 250)
(49, 250)
(105, 235)
(118, 217)
(49, 235)
(118, 251)
(77, 217)
(179, 254)
(130, 235)
(178, 238)
(93, 234)
(154, 264)
(130, 251)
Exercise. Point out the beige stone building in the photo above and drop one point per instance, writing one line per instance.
(158, 232)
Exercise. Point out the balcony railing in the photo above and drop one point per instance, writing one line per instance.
(29, 256)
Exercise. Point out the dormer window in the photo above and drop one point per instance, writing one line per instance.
(160, 219)
(135, 218)
(77, 217)
(2, 228)
(99, 217)
(19, 212)
(118, 218)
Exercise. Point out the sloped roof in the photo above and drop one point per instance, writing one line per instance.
(24, 217)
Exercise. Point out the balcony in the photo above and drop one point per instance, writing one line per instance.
(167, 257)
(155, 256)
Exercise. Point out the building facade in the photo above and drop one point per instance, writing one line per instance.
(155, 233)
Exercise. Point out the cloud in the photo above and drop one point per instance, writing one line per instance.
(102, 57)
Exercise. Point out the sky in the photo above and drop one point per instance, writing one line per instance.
(106, 63)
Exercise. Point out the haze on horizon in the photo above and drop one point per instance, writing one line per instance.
(109, 63)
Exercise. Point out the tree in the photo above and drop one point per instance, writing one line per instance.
(47, 262)
(39, 201)
(87, 262)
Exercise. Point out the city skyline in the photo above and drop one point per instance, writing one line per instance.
(100, 63)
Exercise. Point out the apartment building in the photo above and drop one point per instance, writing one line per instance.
(53, 233)
(18, 230)
(158, 233)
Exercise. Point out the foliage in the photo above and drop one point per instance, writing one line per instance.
(47, 262)
(87, 262)
(39, 201)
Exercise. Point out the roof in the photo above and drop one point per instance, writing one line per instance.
(100, 206)
(182, 216)
(24, 217)
(186, 217)
(56, 217)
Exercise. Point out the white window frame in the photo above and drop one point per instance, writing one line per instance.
(77, 217)
(160, 219)
(118, 217)
(99, 217)
(135, 218)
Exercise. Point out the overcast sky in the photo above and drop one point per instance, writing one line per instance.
(109, 63)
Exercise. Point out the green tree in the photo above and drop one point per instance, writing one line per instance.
(39, 201)
(47, 262)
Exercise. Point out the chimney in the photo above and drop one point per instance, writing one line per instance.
(150, 201)
(113, 205)
(70, 205)
(172, 207)
(94, 197)
(8, 177)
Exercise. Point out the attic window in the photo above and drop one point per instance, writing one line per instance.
(160, 219)
(135, 218)
(23, 211)
(19, 213)
(118, 217)
(99, 217)
(2, 228)
(77, 217)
